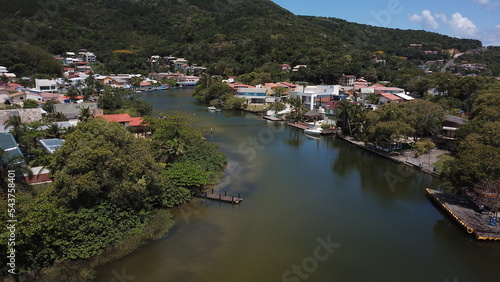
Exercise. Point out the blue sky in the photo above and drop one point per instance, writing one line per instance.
(477, 19)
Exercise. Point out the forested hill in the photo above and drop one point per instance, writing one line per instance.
(237, 34)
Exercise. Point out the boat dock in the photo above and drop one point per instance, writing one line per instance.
(303, 125)
(272, 118)
(464, 212)
(219, 197)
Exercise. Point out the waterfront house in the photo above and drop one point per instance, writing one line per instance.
(311, 95)
(447, 135)
(187, 80)
(253, 95)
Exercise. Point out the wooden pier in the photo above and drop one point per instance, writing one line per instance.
(464, 212)
(303, 125)
(273, 118)
(221, 198)
(300, 125)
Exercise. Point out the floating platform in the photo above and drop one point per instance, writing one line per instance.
(464, 212)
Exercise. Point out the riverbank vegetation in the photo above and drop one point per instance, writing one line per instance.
(110, 193)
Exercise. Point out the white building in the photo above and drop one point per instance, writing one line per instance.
(310, 94)
(89, 57)
(253, 95)
(46, 85)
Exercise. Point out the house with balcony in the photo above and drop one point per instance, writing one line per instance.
(347, 80)
(253, 95)
(311, 95)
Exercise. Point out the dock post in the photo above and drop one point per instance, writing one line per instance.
(239, 195)
(232, 200)
(225, 193)
(212, 191)
(219, 197)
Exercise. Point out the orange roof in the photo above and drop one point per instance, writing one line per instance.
(136, 121)
(132, 121)
(390, 96)
(117, 118)
(288, 84)
(272, 85)
(67, 97)
(145, 83)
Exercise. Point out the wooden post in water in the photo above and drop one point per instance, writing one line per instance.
(232, 200)
(219, 197)
(225, 193)
(212, 191)
(239, 195)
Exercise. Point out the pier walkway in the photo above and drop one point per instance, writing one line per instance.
(219, 197)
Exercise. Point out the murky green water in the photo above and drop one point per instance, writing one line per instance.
(313, 210)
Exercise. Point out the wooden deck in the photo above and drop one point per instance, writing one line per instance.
(273, 118)
(464, 212)
(221, 198)
(300, 125)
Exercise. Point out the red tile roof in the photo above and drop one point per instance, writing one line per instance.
(288, 84)
(132, 121)
(390, 96)
(136, 121)
(117, 118)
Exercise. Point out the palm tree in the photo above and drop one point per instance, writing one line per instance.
(17, 126)
(85, 114)
(13, 163)
(298, 107)
(348, 112)
(176, 148)
(53, 131)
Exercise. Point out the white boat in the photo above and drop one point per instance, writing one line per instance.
(313, 130)
(212, 108)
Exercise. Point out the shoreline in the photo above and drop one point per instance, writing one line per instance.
(386, 155)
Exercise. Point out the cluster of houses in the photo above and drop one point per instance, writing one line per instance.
(41, 175)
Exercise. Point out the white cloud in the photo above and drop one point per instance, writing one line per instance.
(459, 25)
(426, 19)
(497, 26)
(462, 26)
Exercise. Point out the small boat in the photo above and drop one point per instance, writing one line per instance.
(313, 130)
(212, 108)
(217, 110)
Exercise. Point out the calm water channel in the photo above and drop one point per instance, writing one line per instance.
(313, 209)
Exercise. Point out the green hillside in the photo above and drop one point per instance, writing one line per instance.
(239, 35)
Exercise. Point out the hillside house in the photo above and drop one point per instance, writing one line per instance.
(347, 80)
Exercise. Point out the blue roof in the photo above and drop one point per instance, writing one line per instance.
(9, 145)
(51, 145)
